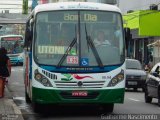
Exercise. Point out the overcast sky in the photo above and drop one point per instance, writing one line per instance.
(126, 5)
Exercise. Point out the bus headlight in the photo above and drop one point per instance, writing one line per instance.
(38, 76)
(42, 79)
(115, 80)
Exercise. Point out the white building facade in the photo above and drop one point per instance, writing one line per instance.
(12, 6)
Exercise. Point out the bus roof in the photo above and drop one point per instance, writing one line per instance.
(76, 6)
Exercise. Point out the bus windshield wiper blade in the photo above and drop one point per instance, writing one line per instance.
(67, 52)
(93, 48)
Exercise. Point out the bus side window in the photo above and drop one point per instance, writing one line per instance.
(28, 36)
(30, 29)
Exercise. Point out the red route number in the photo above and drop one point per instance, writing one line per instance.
(72, 59)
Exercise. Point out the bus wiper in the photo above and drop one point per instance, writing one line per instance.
(74, 41)
(93, 48)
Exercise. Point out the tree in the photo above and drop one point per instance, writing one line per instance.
(25, 7)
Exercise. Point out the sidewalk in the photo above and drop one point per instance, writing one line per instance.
(8, 109)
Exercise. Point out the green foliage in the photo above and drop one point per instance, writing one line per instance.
(25, 7)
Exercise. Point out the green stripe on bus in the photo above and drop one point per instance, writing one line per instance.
(50, 96)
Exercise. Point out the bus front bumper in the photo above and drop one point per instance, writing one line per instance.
(46, 96)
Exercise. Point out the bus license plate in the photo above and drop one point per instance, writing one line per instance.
(79, 93)
(132, 83)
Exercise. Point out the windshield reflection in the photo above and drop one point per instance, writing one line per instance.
(54, 36)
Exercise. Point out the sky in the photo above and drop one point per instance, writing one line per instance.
(126, 5)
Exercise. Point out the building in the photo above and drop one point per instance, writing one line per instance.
(12, 6)
(145, 30)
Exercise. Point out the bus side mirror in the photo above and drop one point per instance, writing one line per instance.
(28, 34)
(28, 38)
(127, 36)
(29, 30)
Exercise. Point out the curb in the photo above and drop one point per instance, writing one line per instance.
(9, 101)
(17, 112)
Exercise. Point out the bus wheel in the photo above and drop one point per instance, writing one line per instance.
(36, 107)
(108, 108)
(27, 98)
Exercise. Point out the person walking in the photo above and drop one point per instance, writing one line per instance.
(5, 69)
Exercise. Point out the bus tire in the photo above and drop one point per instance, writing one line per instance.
(27, 98)
(108, 107)
(36, 107)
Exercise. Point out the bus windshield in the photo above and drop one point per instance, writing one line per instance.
(13, 44)
(79, 38)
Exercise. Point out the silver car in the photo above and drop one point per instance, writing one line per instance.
(152, 85)
(135, 75)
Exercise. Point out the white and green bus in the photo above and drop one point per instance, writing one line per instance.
(63, 65)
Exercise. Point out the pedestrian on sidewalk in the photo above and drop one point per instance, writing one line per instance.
(5, 69)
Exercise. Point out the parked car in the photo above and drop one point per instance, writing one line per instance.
(135, 75)
(152, 85)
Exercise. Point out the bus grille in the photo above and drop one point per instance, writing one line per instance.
(49, 75)
(74, 84)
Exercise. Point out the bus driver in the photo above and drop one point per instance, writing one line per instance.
(100, 40)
